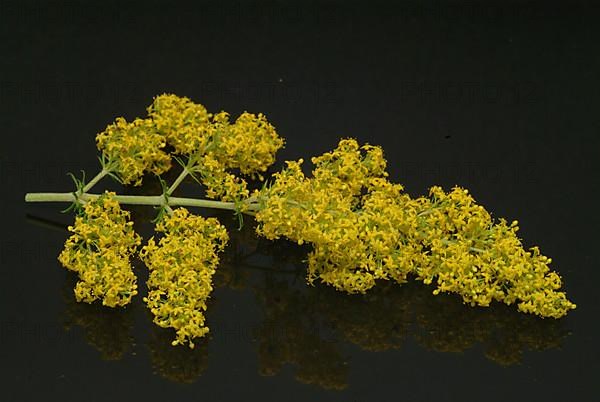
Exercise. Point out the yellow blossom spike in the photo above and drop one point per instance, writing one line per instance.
(483, 260)
(181, 266)
(99, 250)
(363, 228)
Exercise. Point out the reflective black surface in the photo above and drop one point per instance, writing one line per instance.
(498, 97)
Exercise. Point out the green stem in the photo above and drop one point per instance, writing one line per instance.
(95, 180)
(178, 181)
(132, 200)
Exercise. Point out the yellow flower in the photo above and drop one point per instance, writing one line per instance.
(250, 144)
(483, 260)
(99, 250)
(349, 249)
(134, 148)
(185, 124)
(364, 228)
(219, 183)
(181, 266)
(215, 144)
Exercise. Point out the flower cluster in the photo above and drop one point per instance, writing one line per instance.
(249, 144)
(353, 247)
(483, 260)
(363, 228)
(134, 148)
(181, 268)
(219, 183)
(99, 251)
(185, 124)
(215, 144)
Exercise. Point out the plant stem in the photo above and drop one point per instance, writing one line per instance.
(178, 181)
(133, 200)
(95, 180)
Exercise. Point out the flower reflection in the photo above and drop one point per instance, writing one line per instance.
(106, 330)
(308, 328)
(291, 335)
(445, 325)
(381, 320)
(177, 364)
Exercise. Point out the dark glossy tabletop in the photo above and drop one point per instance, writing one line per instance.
(498, 97)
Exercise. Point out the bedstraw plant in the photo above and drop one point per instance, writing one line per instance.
(362, 227)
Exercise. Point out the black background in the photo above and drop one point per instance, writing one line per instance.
(498, 97)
